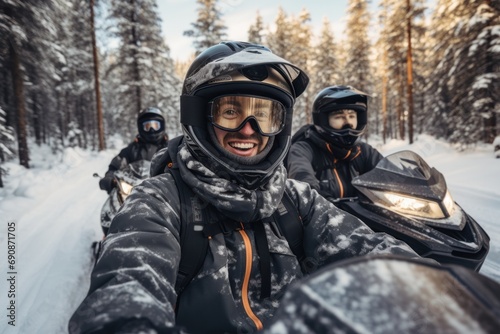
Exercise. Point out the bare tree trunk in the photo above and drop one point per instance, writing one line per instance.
(384, 100)
(100, 124)
(400, 105)
(17, 82)
(135, 42)
(1, 160)
(43, 121)
(409, 68)
(308, 110)
(9, 119)
(36, 120)
(490, 123)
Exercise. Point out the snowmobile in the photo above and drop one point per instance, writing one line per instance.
(125, 179)
(389, 294)
(404, 197)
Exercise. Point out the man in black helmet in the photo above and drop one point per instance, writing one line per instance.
(328, 154)
(150, 139)
(202, 245)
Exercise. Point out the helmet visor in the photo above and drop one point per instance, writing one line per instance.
(151, 125)
(230, 113)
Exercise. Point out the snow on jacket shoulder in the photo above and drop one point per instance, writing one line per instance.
(134, 278)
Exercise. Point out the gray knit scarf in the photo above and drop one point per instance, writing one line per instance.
(231, 199)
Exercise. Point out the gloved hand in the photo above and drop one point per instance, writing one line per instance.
(107, 183)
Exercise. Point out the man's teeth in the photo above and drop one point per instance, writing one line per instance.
(243, 146)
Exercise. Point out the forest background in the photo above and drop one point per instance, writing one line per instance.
(75, 72)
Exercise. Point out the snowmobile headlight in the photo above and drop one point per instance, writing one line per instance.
(125, 188)
(413, 206)
(449, 203)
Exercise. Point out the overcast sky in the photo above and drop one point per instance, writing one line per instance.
(238, 15)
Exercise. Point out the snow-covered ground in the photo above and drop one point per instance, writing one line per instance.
(53, 212)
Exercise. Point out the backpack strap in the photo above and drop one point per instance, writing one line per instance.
(194, 245)
(290, 225)
(264, 258)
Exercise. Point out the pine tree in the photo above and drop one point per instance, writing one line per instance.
(291, 41)
(421, 68)
(143, 73)
(299, 49)
(381, 65)
(24, 28)
(396, 52)
(255, 32)
(465, 83)
(279, 40)
(357, 67)
(208, 29)
(300, 55)
(6, 139)
(75, 98)
(476, 74)
(325, 65)
(97, 85)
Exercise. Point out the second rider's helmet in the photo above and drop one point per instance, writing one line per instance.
(239, 68)
(335, 98)
(151, 125)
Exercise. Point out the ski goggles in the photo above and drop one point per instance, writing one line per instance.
(151, 125)
(232, 112)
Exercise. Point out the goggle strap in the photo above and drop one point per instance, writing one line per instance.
(287, 129)
(189, 116)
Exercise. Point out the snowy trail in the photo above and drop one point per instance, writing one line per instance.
(61, 224)
(482, 205)
(70, 233)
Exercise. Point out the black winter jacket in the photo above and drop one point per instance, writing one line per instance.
(132, 284)
(135, 151)
(313, 160)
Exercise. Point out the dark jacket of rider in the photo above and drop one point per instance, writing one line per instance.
(329, 153)
(150, 139)
(328, 168)
(132, 285)
(137, 150)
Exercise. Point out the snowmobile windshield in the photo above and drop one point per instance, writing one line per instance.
(406, 163)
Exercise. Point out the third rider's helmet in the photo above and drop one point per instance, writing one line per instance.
(151, 125)
(239, 68)
(336, 98)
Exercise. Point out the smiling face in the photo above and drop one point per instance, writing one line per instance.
(246, 142)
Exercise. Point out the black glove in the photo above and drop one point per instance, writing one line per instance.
(107, 183)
